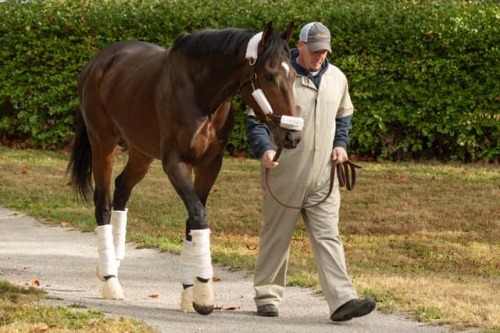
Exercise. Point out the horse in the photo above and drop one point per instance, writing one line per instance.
(174, 105)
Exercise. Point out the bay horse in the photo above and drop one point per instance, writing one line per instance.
(174, 104)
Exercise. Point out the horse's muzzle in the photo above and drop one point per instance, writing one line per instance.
(291, 139)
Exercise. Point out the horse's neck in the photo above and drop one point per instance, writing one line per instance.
(216, 81)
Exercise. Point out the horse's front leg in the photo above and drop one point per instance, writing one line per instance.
(196, 262)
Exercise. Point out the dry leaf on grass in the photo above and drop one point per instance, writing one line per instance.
(25, 170)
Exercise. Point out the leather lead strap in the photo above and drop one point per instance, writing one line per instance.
(346, 174)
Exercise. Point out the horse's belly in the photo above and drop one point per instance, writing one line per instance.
(142, 133)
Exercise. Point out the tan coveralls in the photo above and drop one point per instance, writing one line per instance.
(301, 179)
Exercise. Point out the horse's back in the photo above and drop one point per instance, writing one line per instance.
(118, 57)
(145, 94)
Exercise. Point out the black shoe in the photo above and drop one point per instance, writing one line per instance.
(354, 308)
(267, 310)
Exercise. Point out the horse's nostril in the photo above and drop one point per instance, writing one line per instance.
(291, 140)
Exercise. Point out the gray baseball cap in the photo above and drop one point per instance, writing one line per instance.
(316, 36)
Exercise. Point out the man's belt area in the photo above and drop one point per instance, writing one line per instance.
(345, 172)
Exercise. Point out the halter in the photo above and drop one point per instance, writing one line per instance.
(287, 122)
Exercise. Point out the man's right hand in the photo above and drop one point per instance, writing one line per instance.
(267, 159)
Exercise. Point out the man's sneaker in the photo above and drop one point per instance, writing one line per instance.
(267, 310)
(354, 308)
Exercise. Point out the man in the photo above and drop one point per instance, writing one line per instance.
(301, 178)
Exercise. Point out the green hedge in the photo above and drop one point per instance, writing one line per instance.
(424, 75)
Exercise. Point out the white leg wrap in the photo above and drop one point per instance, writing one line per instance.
(186, 271)
(119, 223)
(107, 262)
(203, 293)
(106, 250)
(202, 260)
(187, 300)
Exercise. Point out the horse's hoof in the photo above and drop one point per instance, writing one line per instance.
(203, 297)
(203, 309)
(112, 289)
(187, 300)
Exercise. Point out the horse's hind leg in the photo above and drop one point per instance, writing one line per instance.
(112, 219)
(135, 170)
(103, 151)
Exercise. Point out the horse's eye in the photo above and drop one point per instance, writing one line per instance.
(269, 78)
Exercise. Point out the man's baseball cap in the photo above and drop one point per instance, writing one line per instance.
(316, 36)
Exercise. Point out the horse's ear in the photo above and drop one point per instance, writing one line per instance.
(288, 33)
(267, 34)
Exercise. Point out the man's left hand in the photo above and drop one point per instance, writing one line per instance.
(339, 155)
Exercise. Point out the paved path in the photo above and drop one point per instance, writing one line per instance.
(64, 260)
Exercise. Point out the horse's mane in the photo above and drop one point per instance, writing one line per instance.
(225, 41)
(209, 41)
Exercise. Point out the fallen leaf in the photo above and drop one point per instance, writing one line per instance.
(32, 283)
(226, 308)
(65, 224)
(154, 296)
(215, 278)
(251, 246)
(25, 170)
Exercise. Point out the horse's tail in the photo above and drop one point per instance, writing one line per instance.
(80, 162)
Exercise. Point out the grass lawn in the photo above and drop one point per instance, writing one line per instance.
(423, 239)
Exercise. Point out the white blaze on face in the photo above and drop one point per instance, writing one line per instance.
(286, 67)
